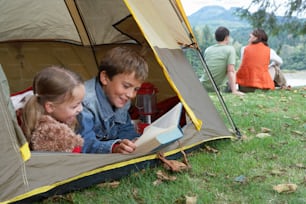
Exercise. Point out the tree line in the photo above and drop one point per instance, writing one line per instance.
(286, 34)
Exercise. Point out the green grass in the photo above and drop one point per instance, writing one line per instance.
(242, 171)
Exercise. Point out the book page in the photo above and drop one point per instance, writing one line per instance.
(164, 126)
(148, 135)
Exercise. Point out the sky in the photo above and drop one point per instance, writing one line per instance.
(192, 6)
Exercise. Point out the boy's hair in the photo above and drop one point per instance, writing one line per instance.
(221, 33)
(124, 60)
(261, 36)
(54, 84)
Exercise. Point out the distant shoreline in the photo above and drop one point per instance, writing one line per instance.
(295, 79)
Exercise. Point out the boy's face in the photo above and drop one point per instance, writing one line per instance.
(121, 88)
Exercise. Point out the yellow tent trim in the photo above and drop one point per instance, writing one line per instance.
(186, 21)
(106, 168)
(25, 151)
(197, 122)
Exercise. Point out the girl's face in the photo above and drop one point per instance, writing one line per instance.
(67, 111)
(252, 38)
(121, 89)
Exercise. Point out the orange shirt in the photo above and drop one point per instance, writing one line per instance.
(253, 71)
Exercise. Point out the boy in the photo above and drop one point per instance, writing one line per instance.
(220, 59)
(105, 123)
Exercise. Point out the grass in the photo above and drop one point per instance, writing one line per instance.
(271, 151)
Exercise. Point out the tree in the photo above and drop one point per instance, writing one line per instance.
(265, 16)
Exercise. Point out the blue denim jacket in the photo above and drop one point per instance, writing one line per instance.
(100, 125)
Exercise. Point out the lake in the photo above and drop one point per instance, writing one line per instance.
(295, 79)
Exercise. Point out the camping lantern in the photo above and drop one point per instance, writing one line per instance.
(146, 102)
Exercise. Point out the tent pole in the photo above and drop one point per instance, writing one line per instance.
(76, 16)
(205, 67)
(221, 100)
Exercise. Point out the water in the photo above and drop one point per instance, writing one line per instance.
(296, 79)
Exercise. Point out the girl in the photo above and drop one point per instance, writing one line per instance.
(49, 116)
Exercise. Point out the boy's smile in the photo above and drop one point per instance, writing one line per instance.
(121, 88)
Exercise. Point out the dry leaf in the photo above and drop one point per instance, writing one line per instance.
(135, 192)
(297, 132)
(285, 188)
(210, 149)
(244, 138)
(164, 177)
(277, 172)
(263, 135)
(301, 166)
(259, 178)
(260, 106)
(210, 174)
(174, 165)
(265, 130)
(191, 200)
(252, 129)
(157, 182)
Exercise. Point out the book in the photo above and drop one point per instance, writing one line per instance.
(162, 132)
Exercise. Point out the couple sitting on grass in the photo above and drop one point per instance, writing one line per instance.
(259, 68)
(67, 115)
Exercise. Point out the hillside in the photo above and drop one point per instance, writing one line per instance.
(214, 16)
(205, 21)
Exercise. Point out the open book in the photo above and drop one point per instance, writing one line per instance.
(161, 132)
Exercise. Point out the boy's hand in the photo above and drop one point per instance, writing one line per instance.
(125, 147)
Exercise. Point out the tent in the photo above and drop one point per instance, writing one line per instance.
(76, 34)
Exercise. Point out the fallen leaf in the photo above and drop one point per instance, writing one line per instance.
(273, 157)
(210, 149)
(164, 176)
(157, 182)
(277, 172)
(265, 130)
(244, 138)
(191, 200)
(135, 192)
(173, 165)
(301, 166)
(285, 188)
(263, 135)
(297, 132)
(210, 174)
(260, 106)
(252, 129)
(259, 178)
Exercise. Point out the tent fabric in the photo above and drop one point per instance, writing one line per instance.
(76, 34)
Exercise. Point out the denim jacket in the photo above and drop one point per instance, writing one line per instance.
(100, 125)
